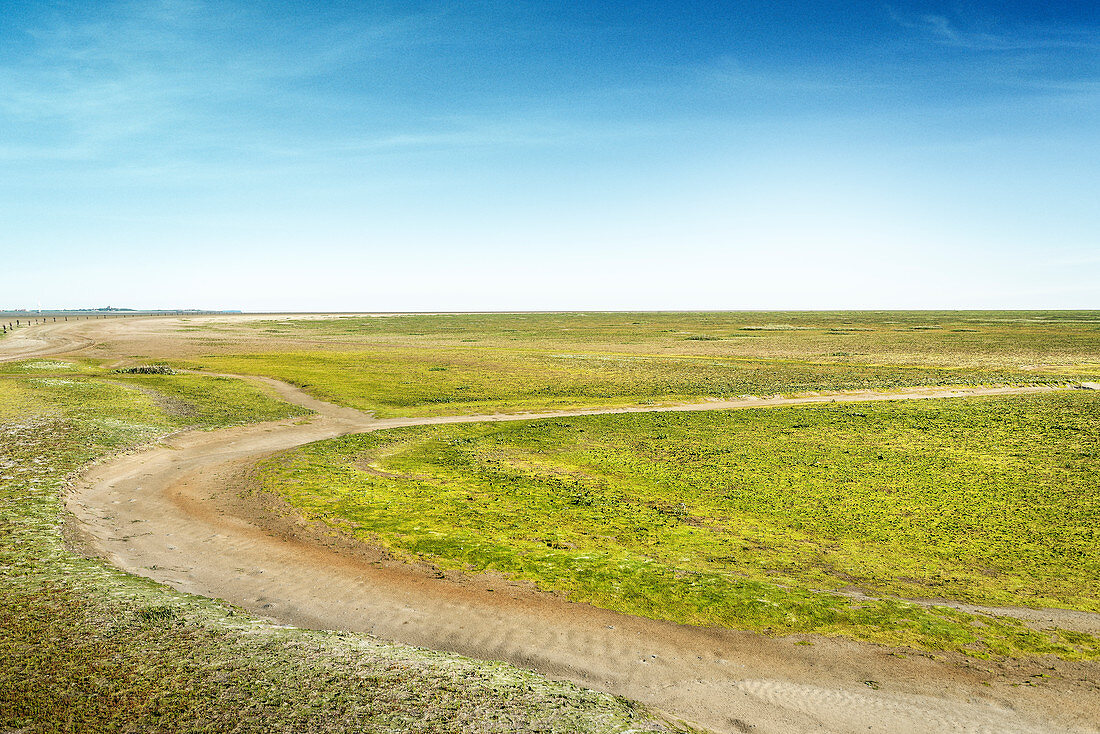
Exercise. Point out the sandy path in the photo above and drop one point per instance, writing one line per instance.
(163, 513)
(43, 341)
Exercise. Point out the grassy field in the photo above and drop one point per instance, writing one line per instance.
(751, 519)
(994, 339)
(422, 383)
(762, 520)
(87, 648)
(437, 365)
(186, 400)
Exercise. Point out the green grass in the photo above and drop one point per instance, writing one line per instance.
(438, 365)
(179, 400)
(86, 648)
(981, 339)
(405, 382)
(46, 366)
(213, 401)
(751, 519)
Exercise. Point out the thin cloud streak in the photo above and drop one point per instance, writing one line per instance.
(946, 31)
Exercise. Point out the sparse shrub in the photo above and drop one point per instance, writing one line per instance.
(147, 369)
(156, 614)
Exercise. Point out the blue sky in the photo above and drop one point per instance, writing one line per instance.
(516, 155)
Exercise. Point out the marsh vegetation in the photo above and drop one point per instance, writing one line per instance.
(756, 519)
(441, 365)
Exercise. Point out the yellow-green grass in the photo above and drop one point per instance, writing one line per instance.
(753, 519)
(1058, 340)
(417, 365)
(47, 366)
(183, 400)
(433, 381)
(86, 648)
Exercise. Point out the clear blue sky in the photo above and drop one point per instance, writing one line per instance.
(522, 155)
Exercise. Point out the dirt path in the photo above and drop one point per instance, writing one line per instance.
(168, 513)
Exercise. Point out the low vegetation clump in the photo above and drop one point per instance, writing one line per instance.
(810, 519)
(86, 648)
(147, 369)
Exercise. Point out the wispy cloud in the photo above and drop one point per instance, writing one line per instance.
(141, 75)
(186, 84)
(728, 73)
(953, 32)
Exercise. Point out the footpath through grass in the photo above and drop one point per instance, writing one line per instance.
(86, 648)
(752, 519)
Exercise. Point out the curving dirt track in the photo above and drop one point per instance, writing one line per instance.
(170, 513)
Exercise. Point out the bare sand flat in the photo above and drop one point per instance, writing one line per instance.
(172, 513)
